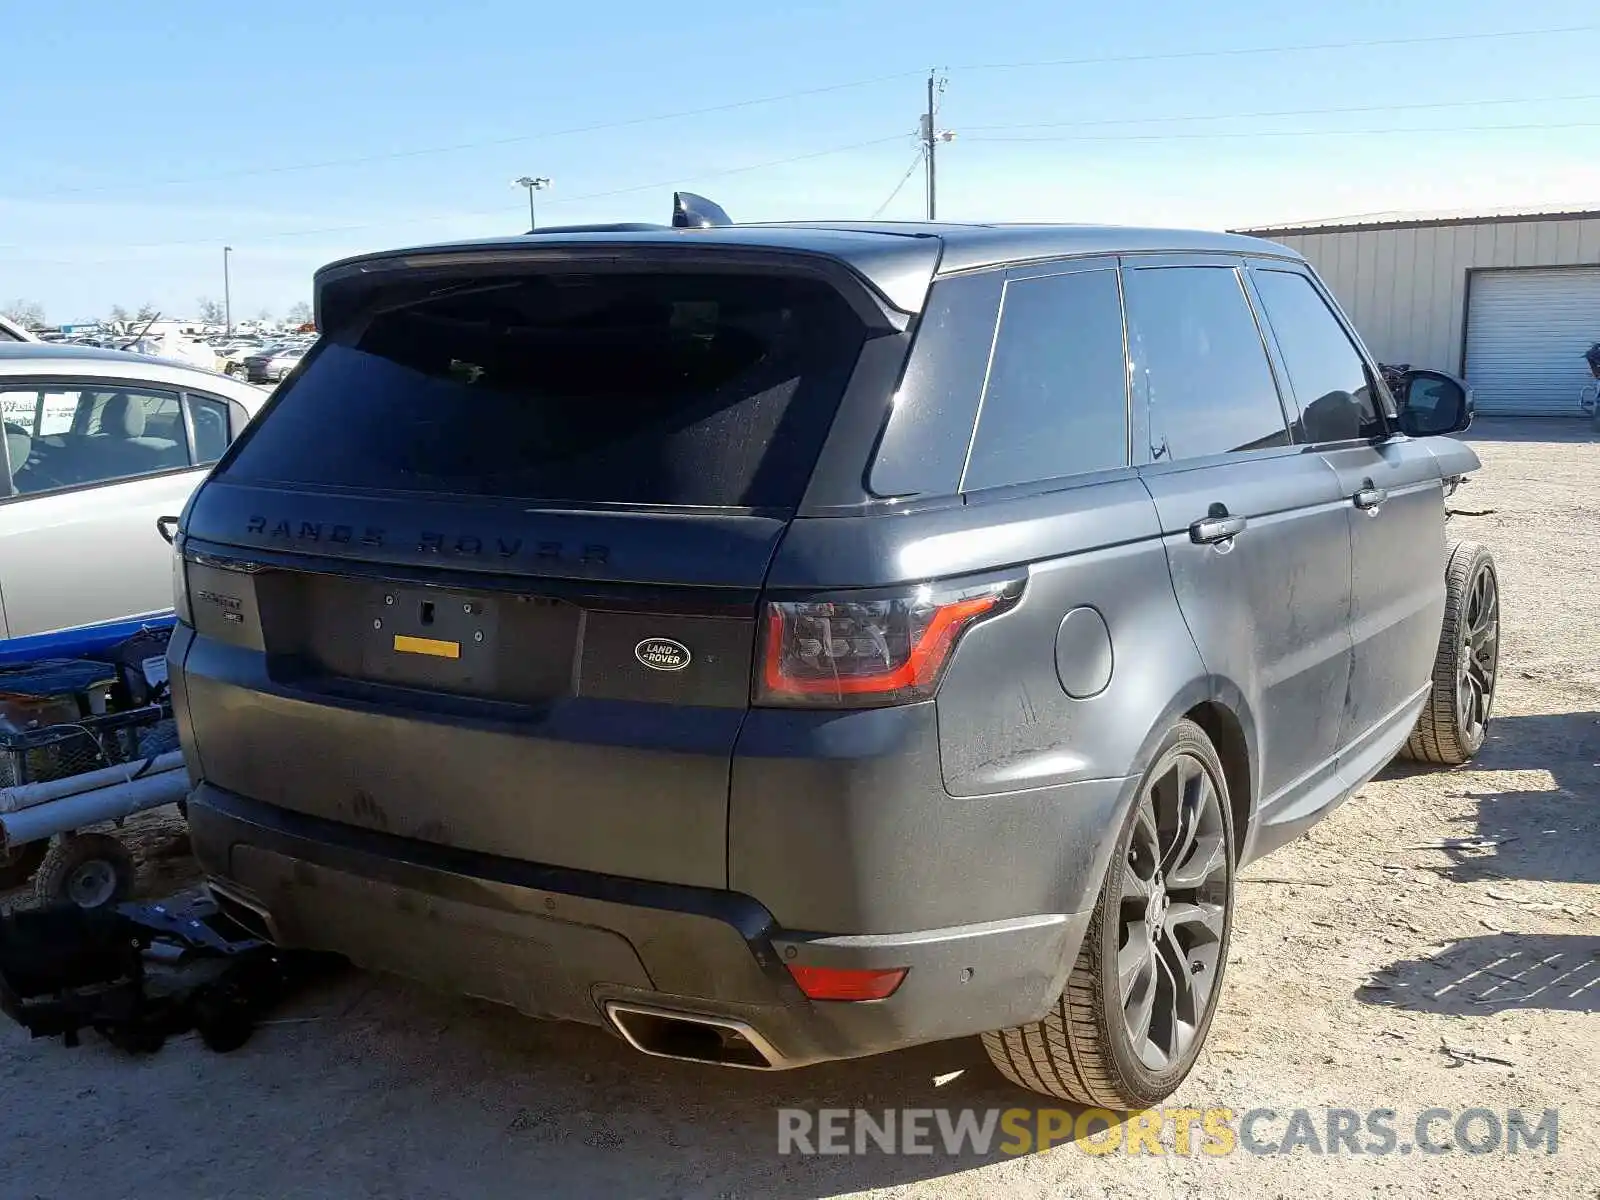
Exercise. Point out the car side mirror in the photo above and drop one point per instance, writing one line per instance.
(1432, 403)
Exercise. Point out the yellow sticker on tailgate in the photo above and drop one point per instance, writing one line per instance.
(432, 647)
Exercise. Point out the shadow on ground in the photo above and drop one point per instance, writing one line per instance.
(1551, 835)
(514, 1107)
(1495, 973)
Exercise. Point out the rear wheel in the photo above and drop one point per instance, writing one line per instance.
(1135, 1011)
(1466, 665)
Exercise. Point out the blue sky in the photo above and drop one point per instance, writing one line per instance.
(137, 139)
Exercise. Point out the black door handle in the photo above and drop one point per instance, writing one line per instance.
(1369, 497)
(167, 527)
(1208, 531)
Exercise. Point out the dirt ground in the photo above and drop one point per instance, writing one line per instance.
(1356, 954)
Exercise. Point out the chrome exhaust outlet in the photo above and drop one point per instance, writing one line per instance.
(243, 910)
(692, 1037)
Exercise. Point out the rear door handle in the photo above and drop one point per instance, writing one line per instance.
(1368, 498)
(1208, 531)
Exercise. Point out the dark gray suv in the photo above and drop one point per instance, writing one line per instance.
(781, 643)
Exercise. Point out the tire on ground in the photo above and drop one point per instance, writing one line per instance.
(1440, 736)
(74, 853)
(1080, 1052)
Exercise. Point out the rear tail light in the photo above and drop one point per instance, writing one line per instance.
(847, 983)
(855, 653)
(180, 583)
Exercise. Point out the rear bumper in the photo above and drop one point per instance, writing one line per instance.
(563, 944)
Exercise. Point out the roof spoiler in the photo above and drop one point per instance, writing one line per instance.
(615, 227)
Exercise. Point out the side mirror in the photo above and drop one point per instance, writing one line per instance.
(1433, 403)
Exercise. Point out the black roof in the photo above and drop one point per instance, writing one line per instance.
(898, 257)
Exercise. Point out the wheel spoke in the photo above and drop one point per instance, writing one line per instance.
(1138, 1008)
(1175, 1000)
(1135, 961)
(1192, 783)
(1209, 858)
(1202, 922)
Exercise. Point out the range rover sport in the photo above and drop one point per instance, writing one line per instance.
(781, 643)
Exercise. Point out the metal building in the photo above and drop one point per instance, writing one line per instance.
(1510, 300)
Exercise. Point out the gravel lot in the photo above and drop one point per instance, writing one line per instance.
(1355, 955)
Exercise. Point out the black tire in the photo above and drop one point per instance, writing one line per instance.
(91, 870)
(1466, 665)
(1083, 1051)
(18, 863)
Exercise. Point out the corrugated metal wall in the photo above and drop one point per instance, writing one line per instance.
(1405, 288)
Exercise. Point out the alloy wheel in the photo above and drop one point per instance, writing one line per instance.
(1479, 660)
(1172, 912)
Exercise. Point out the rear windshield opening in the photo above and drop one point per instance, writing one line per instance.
(705, 390)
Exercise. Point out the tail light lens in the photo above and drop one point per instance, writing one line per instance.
(857, 653)
(180, 584)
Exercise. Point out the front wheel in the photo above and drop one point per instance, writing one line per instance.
(1466, 665)
(1136, 1007)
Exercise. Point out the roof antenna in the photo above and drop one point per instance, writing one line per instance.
(690, 211)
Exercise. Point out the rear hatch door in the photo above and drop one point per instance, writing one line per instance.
(485, 572)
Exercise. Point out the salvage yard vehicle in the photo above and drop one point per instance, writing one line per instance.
(273, 363)
(11, 332)
(97, 446)
(788, 642)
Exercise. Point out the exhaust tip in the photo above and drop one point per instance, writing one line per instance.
(249, 914)
(691, 1037)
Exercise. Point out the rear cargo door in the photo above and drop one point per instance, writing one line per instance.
(485, 573)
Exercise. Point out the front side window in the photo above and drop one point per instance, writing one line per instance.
(1328, 375)
(1056, 402)
(1200, 370)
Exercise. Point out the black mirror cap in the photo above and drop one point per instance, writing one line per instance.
(1433, 404)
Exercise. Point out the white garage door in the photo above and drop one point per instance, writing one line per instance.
(1526, 334)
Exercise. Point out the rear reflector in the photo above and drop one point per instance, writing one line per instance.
(840, 983)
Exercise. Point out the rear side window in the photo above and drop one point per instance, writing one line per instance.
(1330, 380)
(1056, 401)
(640, 389)
(1201, 372)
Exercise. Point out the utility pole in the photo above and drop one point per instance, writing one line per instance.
(932, 135)
(227, 291)
(533, 185)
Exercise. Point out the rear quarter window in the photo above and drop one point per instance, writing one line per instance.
(712, 390)
(1056, 399)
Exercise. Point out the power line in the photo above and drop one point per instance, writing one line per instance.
(730, 106)
(498, 209)
(1286, 133)
(1284, 112)
(915, 163)
(1233, 52)
(420, 152)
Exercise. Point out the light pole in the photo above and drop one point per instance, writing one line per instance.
(227, 291)
(533, 185)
